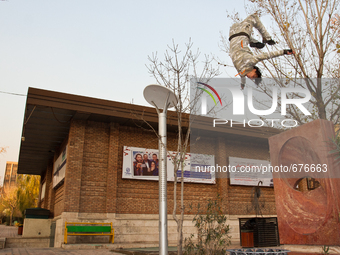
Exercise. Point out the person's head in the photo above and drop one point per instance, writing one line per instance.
(255, 75)
(154, 157)
(153, 165)
(145, 157)
(138, 157)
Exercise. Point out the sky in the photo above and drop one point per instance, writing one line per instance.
(95, 48)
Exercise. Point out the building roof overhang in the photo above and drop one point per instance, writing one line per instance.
(48, 115)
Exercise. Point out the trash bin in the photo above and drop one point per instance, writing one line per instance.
(20, 229)
(247, 238)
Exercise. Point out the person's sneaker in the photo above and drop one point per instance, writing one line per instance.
(258, 45)
(270, 42)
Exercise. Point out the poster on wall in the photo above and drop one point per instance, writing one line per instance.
(59, 168)
(196, 168)
(143, 164)
(140, 163)
(250, 172)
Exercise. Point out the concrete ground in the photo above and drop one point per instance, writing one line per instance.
(10, 232)
(54, 251)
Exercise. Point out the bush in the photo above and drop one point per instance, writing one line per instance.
(212, 231)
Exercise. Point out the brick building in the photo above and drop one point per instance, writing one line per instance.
(10, 178)
(89, 134)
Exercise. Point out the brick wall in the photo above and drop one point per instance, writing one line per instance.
(48, 201)
(112, 177)
(95, 167)
(240, 197)
(136, 196)
(93, 182)
(49, 186)
(59, 200)
(73, 174)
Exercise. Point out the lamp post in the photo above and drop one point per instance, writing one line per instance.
(162, 98)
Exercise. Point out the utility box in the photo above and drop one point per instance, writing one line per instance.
(37, 227)
(37, 223)
(259, 232)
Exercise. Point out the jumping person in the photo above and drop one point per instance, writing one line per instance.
(243, 59)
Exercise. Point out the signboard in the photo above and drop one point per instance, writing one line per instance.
(250, 172)
(143, 164)
(59, 168)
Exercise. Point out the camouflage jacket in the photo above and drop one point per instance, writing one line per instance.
(240, 37)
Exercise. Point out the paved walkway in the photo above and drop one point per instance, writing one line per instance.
(12, 231)
(8, 231)
(54, 251)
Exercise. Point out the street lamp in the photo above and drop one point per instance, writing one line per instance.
(162, 98)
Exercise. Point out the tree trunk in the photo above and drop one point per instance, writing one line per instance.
(180, 237)
(322, 112)
(10, 218)
(320, 102)
(180, 225)
(180, 221)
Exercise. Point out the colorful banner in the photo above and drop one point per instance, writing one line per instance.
(143, 164)
(250, 172)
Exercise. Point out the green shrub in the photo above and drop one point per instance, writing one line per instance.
(212, 231)
(325, 249)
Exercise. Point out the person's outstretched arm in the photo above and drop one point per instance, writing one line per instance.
(273, 54)
(268, 55)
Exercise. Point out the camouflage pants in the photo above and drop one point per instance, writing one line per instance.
(246, 26)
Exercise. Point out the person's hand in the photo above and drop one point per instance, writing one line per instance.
(288, 52)
(270, 41)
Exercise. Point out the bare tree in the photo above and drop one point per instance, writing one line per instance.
(311, 29)
(175, 72)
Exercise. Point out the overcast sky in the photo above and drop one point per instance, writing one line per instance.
(94, 48)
